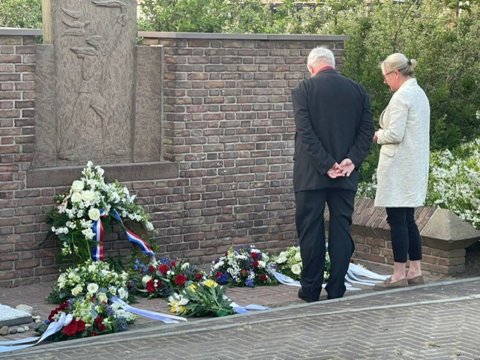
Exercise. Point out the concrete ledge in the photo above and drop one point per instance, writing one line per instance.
(64, 176)
(20, 32)
(446, 231)
(218, 36)
(445, 237)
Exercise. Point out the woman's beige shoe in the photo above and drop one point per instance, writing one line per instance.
(417, 280)
(388, 284)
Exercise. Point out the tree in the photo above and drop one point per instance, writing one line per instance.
(21, 13)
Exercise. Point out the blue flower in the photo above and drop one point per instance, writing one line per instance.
(249, 283)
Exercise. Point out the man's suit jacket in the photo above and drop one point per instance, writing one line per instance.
(333, 122)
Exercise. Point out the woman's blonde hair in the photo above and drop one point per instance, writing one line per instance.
(400, 63)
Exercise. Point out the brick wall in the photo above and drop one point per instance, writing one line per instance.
(21, 215)
(227, 125)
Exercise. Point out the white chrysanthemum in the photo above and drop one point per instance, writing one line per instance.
(296, 269)
(92, 288)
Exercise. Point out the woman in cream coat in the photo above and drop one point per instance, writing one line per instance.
(402, 172)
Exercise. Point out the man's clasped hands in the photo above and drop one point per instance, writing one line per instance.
(345, 168)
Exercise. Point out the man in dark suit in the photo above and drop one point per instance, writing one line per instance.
(334, 131)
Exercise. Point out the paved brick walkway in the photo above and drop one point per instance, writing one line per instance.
(435, 321)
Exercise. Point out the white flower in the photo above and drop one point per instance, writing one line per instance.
(88, 196)
(146, 279)
(92, 288)
(89, 164)
(88, 233)
(61, 281)
(94, 214)
(296, 269)
(71, 224)
(282, 258)
(77, 186)
(297, 257)
(122, 293)
(77, 290)
(76, 197)
(185, 266)
(149, 226)
(100, 171)
(102, 297)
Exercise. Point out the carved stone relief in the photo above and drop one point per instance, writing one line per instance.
(99, 96)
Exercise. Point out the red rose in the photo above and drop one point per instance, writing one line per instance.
(52, 314)
(71, 329)
(218, 274)
(255, 264)
(180, 279)
(173, 264)
(151, 269)
(99, 323)
(81, 326)
(198, 276)
(163, 268)
(254, 255)
(263, 277)
(150, 286)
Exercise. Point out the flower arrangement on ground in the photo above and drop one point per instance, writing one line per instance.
(160, 278)
(90, 279)
(289, 262)
(205, 298)
(85, 293)
(243, 266)
(89, 205)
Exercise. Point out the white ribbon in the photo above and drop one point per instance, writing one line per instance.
(356, 274)
(167, 319)
(245, 309)
(53, 327)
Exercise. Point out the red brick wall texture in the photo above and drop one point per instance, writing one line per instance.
(228, 124)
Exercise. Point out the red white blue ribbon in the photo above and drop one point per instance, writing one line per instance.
(132, 237)
(98, 230)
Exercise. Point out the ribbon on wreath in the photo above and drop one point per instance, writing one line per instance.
(167, 319)
(53, 328)
(98, 230)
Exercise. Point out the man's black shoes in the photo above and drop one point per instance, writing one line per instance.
(305, 298)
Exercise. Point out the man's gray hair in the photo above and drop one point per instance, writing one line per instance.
(320, 55)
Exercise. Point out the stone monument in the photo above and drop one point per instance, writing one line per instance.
(99, 95)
